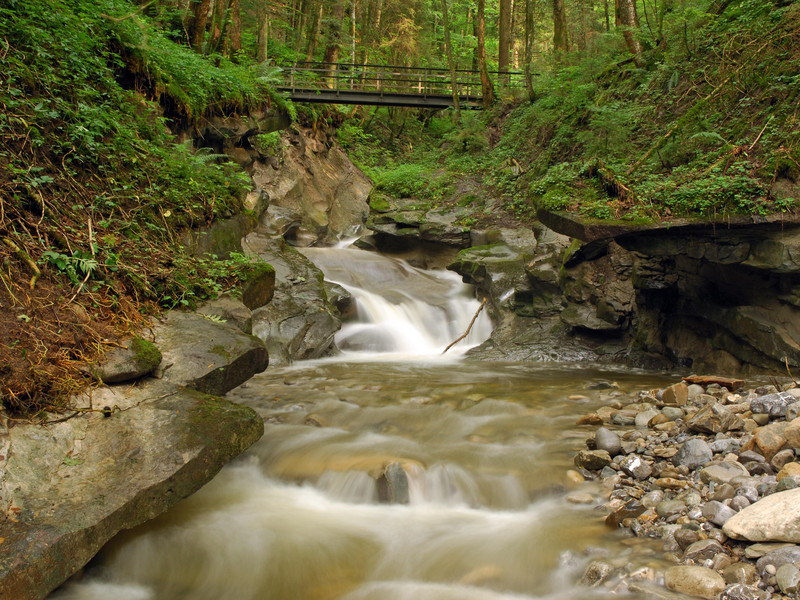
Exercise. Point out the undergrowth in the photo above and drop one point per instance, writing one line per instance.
(96, 193)
(709, 127)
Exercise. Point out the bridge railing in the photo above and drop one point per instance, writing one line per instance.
(392, 79)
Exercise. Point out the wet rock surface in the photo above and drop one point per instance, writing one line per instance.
(700, 472)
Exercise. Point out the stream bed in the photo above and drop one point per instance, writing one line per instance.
(391, 472)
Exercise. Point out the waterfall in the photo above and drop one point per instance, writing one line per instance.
(400, 309)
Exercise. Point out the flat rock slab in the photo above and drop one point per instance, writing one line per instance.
(77, 483)
(70, 485)
(704, 380)
(208, 356)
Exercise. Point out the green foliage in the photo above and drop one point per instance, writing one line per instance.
(410, 180)
(197, 278)
(198, 84)
(268, 144)
(75, 266)
(719, 194)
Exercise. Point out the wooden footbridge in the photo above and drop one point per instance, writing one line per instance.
(388, 85)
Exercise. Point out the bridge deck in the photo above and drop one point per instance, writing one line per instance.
(388, 85)
(379, 98)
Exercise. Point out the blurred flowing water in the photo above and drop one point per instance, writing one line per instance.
(483, 449)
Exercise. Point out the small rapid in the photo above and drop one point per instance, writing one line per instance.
(478, 450)
(400, 309)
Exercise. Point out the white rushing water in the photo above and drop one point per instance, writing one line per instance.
(401, 310)
(482, 448)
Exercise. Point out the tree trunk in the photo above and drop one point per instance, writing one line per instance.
(333, 36)
(219, 26)
(504, 35)
(475, 53)
(353, 32)
(313, 36)
(608, 20)
(236, 28)
(263, 32)
(629, 21)
(449, 51)
(514, 60)
(583, 38)
(487, 88)
(560, 38)
(197, 24)
(528, 59)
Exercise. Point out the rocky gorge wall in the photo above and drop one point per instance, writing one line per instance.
(715, 296)
(702, 296)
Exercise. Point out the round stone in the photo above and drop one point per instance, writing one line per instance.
(691, 580)
(607, 440)
(693, 453)
(741, 572)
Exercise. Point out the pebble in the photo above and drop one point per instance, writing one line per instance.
(688, 472)
(703, 550)
(740, 572)
(740, 591)
(634, 466)
(592, 460)
(717, 512)
(693, 453)
(774, 405)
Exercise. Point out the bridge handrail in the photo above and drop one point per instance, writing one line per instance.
(422, 81)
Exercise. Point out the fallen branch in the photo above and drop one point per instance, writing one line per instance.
(471, 323)
(794, 381)
(22, 255)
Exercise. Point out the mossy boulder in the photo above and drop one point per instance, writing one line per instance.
(258, 285)
(138, 359)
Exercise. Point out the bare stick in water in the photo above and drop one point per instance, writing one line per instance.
(471, 323)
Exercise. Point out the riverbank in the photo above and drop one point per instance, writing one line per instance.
(124, 455)
(709, 468)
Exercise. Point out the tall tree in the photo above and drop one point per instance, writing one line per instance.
(197, 23)
(263, 32)
(628, 20)
(487, 88)
(333, 37)
(528, 58)
(504, 35)
(236, 28)
(313, 35)
(449, 51)
(560, 37)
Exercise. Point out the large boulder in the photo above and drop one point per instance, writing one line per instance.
(300, 321)
(775, 518)
(313, 179)
(699, 582)
(130, 454)
(206, 355)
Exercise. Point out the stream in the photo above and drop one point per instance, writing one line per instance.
(390, 472)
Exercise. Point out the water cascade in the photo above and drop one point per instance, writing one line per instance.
(400, 309)
(473, 456)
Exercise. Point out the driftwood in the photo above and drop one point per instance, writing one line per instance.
(471, 323)
(726, 382)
